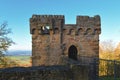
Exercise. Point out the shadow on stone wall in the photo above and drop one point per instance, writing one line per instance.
(46, 73)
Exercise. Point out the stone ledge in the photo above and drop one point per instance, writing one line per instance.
(45, 73)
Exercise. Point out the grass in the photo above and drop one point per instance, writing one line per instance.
(108, 78)
(24, 61)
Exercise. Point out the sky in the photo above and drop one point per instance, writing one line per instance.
(18, 12)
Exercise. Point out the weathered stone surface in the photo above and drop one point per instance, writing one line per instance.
(57, 43)
(45, 73)
(52, 38)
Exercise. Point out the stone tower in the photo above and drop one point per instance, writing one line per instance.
(52, 38)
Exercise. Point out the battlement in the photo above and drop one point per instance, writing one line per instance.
(44, 23)
(87, 18)
(41, 17)
(48, 16)
(86, 21)
(56, 23)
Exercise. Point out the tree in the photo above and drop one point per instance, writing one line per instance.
(5, 42)
(107, 49)
(117, 52)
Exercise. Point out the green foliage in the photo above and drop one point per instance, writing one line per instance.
(108, 78)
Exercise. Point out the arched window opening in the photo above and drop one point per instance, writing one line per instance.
(80, 31)
(89, 31)
(72, 52)
(33, 31)
(45, 29)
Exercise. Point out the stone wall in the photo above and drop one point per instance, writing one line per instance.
(46, 73)
(46, 48)
(48, 45)
(84, 35)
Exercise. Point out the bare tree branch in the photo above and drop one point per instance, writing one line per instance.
(5, 41)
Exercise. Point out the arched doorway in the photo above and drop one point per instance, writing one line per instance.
(72, 52)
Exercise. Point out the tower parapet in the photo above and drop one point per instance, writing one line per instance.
(46, 22)
(86, 21)
(52, 38)
(85, 25)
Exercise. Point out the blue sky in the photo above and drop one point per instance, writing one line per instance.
(18, 12)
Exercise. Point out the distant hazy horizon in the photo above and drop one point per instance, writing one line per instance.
(18, 52)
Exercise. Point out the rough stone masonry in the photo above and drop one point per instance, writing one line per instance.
(45, 73)
(55, 43)
(52, 39)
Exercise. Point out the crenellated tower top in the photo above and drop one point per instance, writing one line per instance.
(43, 23)
(52, 38)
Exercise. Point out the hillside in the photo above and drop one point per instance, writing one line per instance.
(18, 53)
